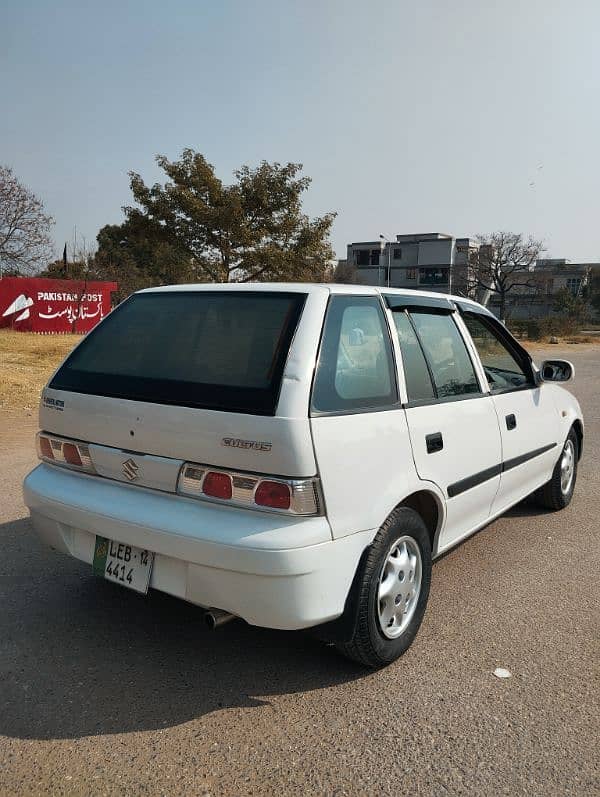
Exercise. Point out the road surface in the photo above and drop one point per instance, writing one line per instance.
(103, 691)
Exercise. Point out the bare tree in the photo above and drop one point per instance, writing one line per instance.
(502, 263)
(25, 242)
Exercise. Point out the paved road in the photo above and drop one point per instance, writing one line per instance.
(106, 692)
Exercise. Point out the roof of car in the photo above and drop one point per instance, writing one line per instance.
(312, 287)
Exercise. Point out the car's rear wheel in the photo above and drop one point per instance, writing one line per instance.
(392, 591)
(558, 491)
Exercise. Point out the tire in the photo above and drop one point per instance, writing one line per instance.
(557, 493)
(400, 555)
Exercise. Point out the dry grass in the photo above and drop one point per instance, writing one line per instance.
(582, 339)
(26, 362)
(563, 343)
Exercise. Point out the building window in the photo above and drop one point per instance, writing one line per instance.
(397, 254)
(411, 273)
(574, 285)
(433, 276)
(366, 257)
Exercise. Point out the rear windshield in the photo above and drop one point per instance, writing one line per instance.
(216, 350)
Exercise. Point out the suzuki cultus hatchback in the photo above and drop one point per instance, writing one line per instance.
(296, 455)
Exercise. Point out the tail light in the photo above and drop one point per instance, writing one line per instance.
(69, 453)
(287, 496)
(277, 495)
(291, 496)
(217, 485)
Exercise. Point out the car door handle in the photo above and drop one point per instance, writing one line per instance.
(434, 442)
(511, 422)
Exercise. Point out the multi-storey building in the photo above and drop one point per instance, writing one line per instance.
(440, 262)
(430, 261)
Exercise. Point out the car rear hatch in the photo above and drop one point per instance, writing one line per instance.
(219, 377)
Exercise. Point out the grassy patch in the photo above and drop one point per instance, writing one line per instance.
(26, 363)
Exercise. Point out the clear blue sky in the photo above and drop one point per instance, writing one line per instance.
(417, 116)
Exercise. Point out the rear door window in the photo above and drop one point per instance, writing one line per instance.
(221, 350)
(355, 369)
(446, 353)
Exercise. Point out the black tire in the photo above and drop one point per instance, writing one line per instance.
(368, 645)
(551, 495)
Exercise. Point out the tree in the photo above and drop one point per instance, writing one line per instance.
(135, 256)
(253, 229)
(574, 307)
(76, 270)
(347, 273)
(594, 291)
(502, 263)
(25, 242)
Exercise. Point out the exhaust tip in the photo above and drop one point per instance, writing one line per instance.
(217, 617)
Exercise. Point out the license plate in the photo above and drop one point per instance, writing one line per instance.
(124, 564)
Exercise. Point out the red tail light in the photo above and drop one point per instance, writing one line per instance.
(45, 447)
(277, 495)
(294, 496)
(71, 454)
(217, 485)
(68, 453)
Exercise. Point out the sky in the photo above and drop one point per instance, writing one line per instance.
(460, 117)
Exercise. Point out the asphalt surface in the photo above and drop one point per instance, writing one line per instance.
(103, 691)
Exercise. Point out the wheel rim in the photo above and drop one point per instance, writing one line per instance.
(567, 467)
(399, 587)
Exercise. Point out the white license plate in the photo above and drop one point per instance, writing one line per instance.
(124, 564)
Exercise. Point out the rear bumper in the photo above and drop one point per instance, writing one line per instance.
(271, 570)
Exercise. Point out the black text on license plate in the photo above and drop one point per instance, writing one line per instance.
(124, 564)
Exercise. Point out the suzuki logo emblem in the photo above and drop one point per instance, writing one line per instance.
(130, 470)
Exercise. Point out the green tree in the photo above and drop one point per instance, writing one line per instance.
(136, 256)
(574, 307)
(76, 270)
(594, 291)
(196, 228)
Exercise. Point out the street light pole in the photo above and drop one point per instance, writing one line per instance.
(383, 238)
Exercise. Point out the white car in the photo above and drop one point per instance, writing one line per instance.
(296, 455)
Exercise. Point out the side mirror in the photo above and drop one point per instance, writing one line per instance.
(557, 371)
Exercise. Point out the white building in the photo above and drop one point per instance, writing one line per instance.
(431, 261)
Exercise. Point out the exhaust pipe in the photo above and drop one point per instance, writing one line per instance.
(216, 617)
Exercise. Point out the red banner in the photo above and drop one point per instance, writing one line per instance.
(32, 304)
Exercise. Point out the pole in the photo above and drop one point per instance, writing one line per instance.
(389, 263)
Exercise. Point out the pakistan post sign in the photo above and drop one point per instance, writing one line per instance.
(53, 306)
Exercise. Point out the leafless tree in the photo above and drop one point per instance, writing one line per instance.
(502, 263)
(25, 242)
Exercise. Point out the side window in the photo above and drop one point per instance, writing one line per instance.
(447, 356)
(416, 374)
(502, 369)
(355, 367)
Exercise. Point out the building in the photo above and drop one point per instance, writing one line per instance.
(440, 262)
(549, 276)
(429, 261)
